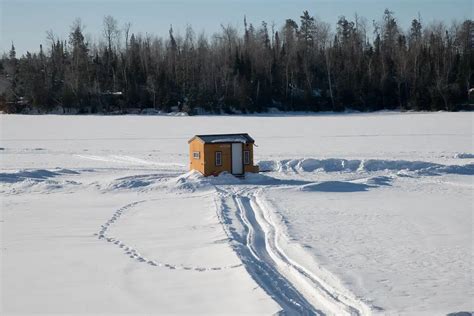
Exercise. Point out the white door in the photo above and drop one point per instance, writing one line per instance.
(237, 163)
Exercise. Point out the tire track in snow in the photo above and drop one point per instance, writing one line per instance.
(252, 250)
(135, 255)
(335, 300)
(297, 290)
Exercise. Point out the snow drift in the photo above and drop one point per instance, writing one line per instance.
(370, 165)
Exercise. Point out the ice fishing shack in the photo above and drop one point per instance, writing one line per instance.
(213, 154)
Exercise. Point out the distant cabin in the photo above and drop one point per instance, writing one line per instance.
(213, 154)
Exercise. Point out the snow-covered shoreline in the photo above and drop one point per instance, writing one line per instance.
(269, 113)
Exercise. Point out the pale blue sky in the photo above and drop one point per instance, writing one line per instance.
(25, 22)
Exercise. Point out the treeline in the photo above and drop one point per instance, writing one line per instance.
(302, 66)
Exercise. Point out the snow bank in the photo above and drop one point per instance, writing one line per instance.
(370, 165)
(193, 180)
(35, 175)
(138, 182)
(348, 186)
(335, 186)
(380, 181)
(38, 180)
(464, 156)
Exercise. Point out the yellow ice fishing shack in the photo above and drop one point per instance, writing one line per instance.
(213, 154)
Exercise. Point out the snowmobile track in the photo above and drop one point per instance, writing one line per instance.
(297, 290)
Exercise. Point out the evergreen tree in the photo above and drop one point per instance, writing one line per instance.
(301, 66)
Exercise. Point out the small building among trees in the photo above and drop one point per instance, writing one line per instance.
(213, 154)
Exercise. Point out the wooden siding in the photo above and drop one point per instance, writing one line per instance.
(210, 167)
(250, 167)
(196, 164)
(206, 164)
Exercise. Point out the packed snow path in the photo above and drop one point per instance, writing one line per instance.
(297, 290)
(253, 253)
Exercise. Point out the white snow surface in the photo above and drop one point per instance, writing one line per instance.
(230, 140)
(354, 214)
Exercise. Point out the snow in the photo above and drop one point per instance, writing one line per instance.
(230, 140)
(354, 214)
(226, 138)
(370, 165)
(116, 251)
(464, 156)
(404, 246)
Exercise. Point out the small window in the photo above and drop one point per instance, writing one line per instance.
(196, 155)
(246, 157)
(218, 158)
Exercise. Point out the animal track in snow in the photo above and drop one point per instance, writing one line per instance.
(135, 255)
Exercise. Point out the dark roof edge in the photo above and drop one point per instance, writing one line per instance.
(246, 135)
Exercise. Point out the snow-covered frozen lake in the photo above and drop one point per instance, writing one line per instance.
(355, 214)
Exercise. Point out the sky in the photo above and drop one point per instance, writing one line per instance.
(25, 22)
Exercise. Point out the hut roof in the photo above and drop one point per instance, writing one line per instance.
(224, 138)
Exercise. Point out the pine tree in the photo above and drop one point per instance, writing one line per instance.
(299, 66)
(12, 53)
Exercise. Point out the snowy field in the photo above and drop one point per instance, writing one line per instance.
(368, 214)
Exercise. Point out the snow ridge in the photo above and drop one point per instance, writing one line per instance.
(464, 156)
(369, 165)
(36, 180)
